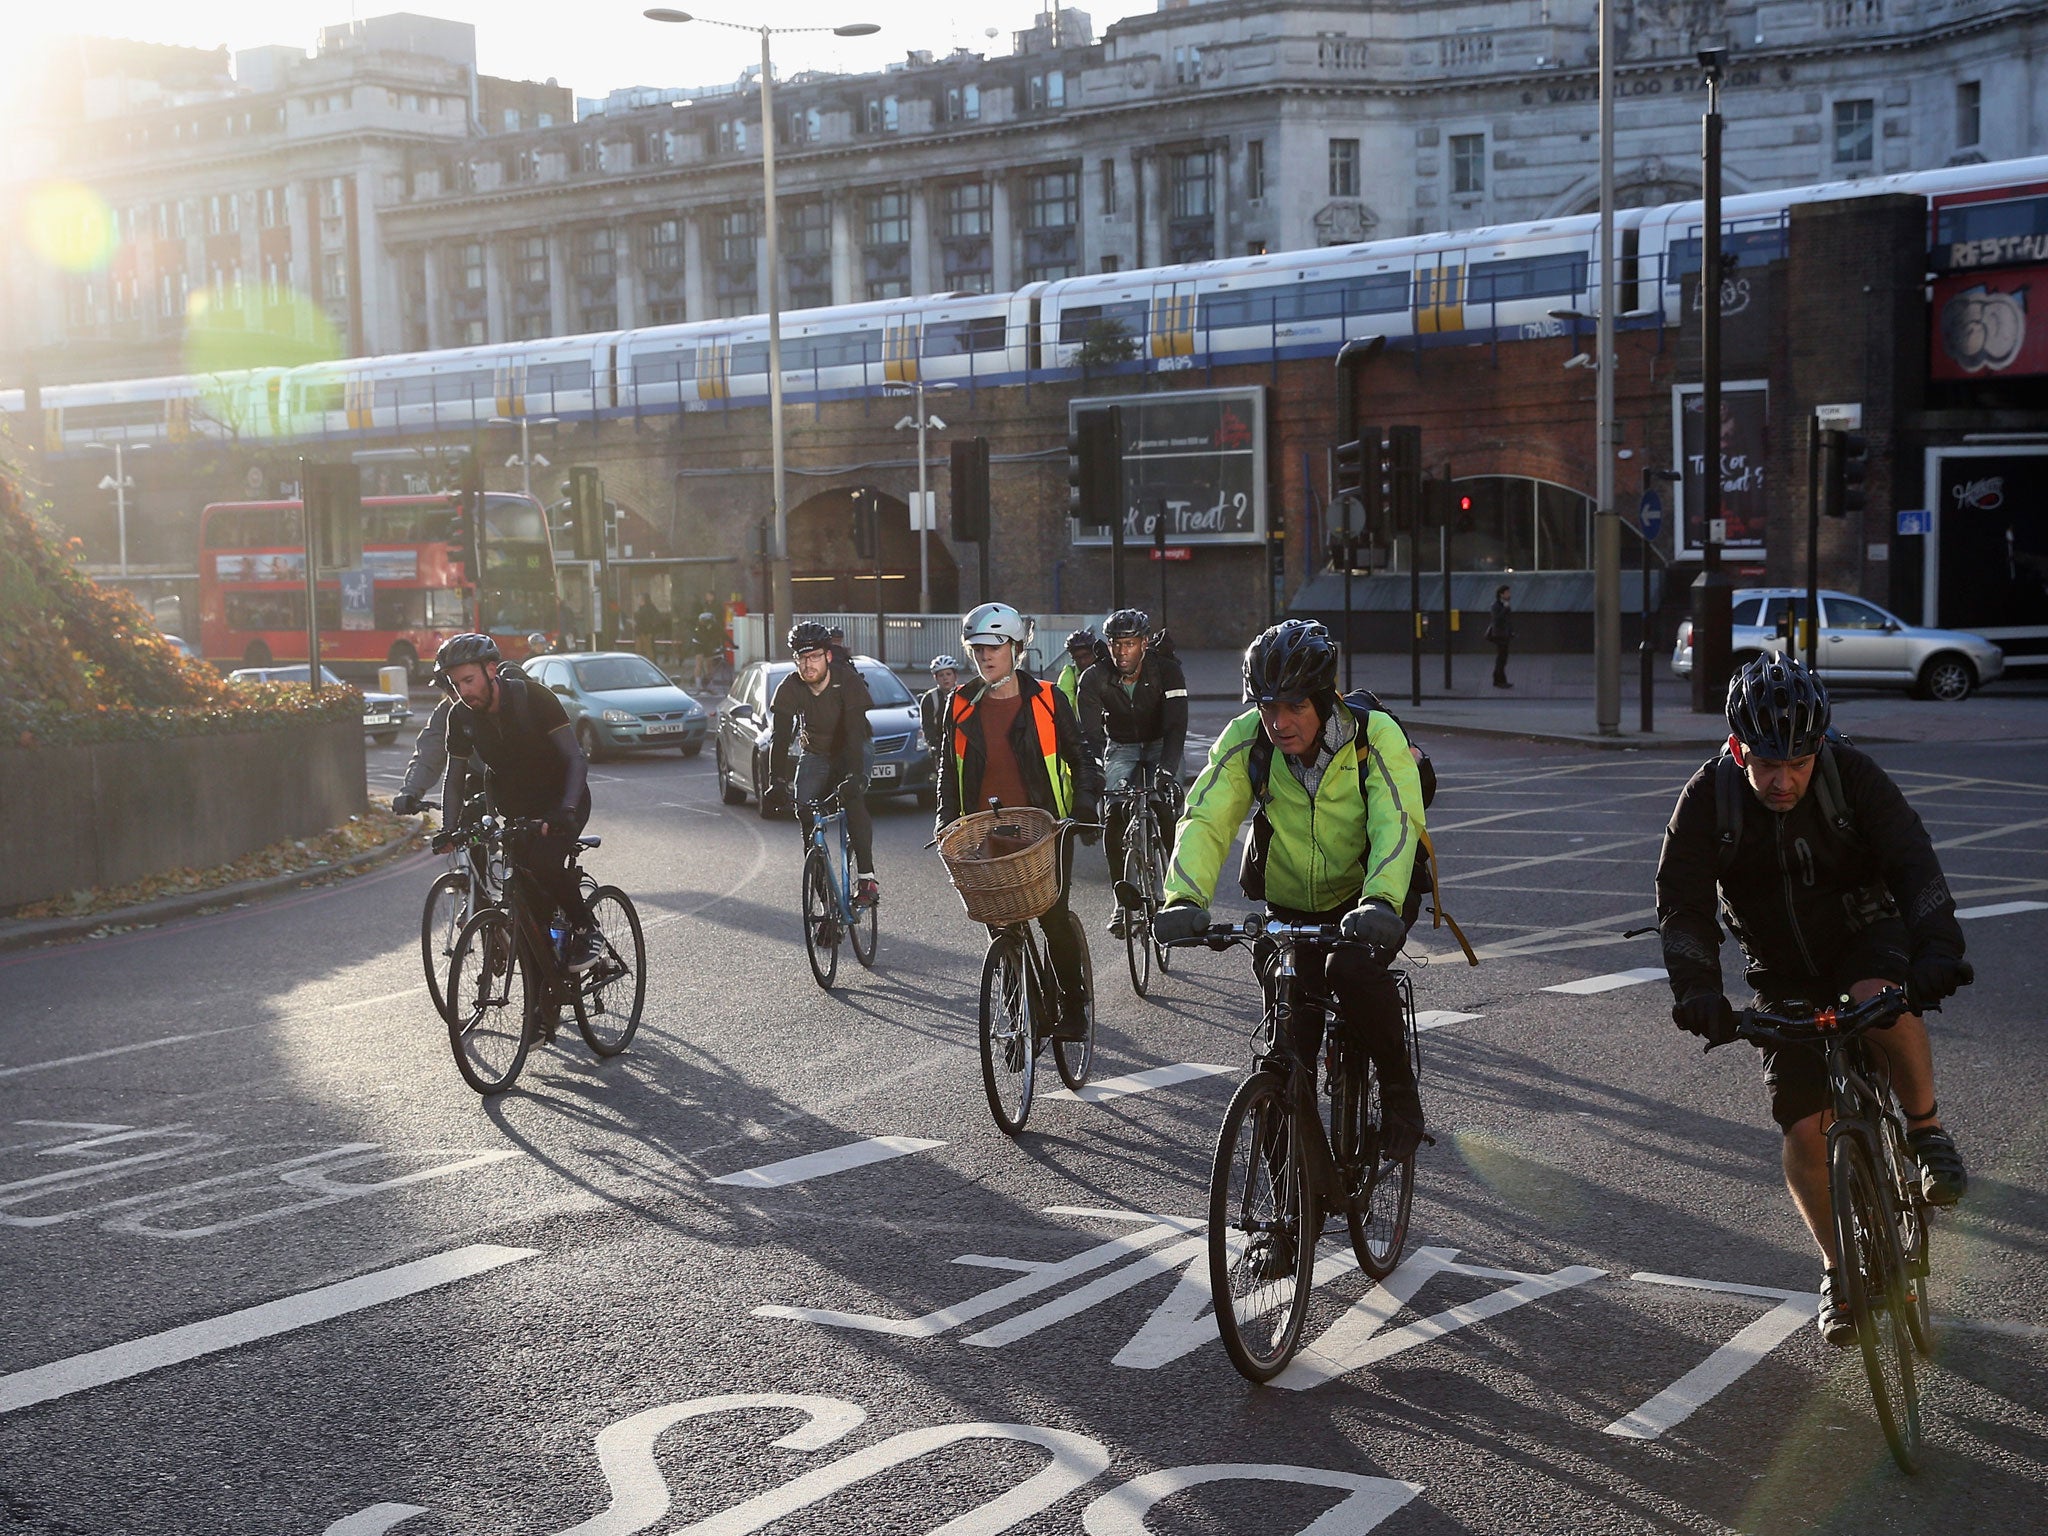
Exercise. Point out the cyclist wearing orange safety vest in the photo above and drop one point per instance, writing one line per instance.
(1014, 739)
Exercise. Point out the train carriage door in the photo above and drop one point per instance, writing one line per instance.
(1439, 292)
(358, 395)
(1173, 320)
(714, 366)
(902, 336)
(273, 417)
(508, 386)
(610, 382)
(178, 418)
(53, 429)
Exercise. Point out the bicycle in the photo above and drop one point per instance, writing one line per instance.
(1277, 1170)
(1019, 1007)
(474, 879)
(1881, 1228)
(1141, 888)
(509, 949)
(830, 910)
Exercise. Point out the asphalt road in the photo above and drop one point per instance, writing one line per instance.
(271, 1267)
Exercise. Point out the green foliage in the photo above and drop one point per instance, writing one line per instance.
(82, 663)
(1106, 342)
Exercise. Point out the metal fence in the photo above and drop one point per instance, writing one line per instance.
(907, 641)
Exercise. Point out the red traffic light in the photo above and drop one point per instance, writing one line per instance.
(1464, 503)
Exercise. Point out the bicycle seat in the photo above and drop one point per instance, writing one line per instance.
(589, 842)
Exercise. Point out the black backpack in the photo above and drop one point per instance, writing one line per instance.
(1251, 874)
(1836, 813)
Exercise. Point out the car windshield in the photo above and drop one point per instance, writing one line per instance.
(298, 675)
(615, 674)
(884, 687)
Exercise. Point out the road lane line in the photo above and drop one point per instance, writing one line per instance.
(1725, 1366)
(1437, 1018)
(816, 1165)
(118, 1362)
(1139, 1082)
(1614, 981)
(2002, 909)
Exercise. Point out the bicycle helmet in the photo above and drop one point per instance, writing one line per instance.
(993, 623)
(944, 663)
(1126, 623)
(463, 650)
(1295, 660)
(809, 635)
(1082, 642)
(1777, 709)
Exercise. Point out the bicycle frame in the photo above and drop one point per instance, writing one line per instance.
(822, 824)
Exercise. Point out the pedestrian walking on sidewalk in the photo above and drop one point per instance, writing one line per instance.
(1500, 634)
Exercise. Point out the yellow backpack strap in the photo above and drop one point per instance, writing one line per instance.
(1439, 918)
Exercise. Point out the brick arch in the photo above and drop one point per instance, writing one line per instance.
(830, 576)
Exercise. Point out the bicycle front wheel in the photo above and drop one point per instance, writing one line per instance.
(1873, 1277)
(1909, 1211)
(1155, 891)
(1262, 1229)
(489, 993)
(609, 997)
(1382, 1191)
(1009, 1042)
(447, 909)
(1075, 1059)
(1137, 920)
(821, 919)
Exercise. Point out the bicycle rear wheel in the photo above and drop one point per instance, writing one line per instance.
(1383, 1191)
(447, 909)
(1076, 1058)
(1909, 1210)
(609, 997)
(1873, 1278)
(865, 931)
(1262, 1226)
(821, 919)
(1009, 1040)
(489, 992)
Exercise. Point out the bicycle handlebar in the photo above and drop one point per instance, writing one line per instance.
(1221, 936)
(1765, 1028)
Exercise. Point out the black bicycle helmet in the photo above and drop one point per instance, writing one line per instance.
(1777, 709)
(1126, 623)
(1294, 661)
(809, 635)
(1082, 641)
(462, 650)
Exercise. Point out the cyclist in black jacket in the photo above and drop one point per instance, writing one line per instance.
(1824, 899)
(822, 707)
(537, 771)
(1134, 715)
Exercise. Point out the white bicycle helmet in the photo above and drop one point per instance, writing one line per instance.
(945, 663)
(993, 623)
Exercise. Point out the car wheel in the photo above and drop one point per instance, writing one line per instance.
(1947, 678)
(692, 748)
(729, 792)
(258, 655)
(586, 738)
(385, 738)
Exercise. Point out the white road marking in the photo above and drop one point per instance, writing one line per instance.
(1139, 1082)
(118, 1362)
(1436, 1018)
(1991, 832)
(2002, 909)
(1725, 1366)
(1368, 1501)
(816, 1165)
(1585, 986)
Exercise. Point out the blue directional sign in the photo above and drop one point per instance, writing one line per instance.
(1650, 513)
(1915, 522)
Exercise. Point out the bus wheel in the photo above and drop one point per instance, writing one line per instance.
(258, 655)
(403, 655)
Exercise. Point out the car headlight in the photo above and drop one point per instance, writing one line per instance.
(617, 717)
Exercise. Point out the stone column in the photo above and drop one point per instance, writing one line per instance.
(696, 286)
(846, 286)
(436, 297)
(625, 278)
(999, 230)
(1150, 171)
(561, 285)
(497, 324)
(1219, 182)
(920, 241)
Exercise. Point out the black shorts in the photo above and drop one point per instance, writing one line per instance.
(1795, 1075)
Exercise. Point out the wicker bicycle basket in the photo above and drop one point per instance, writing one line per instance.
(1009, 887)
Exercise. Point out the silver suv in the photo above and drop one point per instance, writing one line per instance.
(1860, 644)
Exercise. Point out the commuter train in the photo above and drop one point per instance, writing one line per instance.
(1469, 286)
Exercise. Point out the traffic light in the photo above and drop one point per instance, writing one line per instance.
(1404, 475)
(333, 495)
(866, 509)
(1844, 472)
(969, 510)
(464, 527)
(1095, 467)
(587, 512)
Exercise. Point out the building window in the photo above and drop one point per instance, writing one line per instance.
(271, 207)
(334, 276)
(532, 259)
(530, 327)
(970, 208)
(667, 314)
(1855, 132)
(665, 246)
(1468, 163)
(1255, 169)
(1193, 185)
(963, 104)
(807, 230)
(888, 219)
(882, 114)
(1343, 167)
(1255, 248)
(736, 237)
(595, 256)
(1969, 114)
(333, 197)
(1108, 187)
(1112, 264)
(1187, 66)
(1052, 210)
(1048, 92)
(469, 263)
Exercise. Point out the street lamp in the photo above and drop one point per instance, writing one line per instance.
(781, 601)
(119, 483)
(920, 421)
(525, 458)
(1606, 516)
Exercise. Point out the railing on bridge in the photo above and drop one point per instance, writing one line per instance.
(906, 642)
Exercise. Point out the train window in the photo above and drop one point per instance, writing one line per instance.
(321, 395)
(748, 357)
(550, 379)
(954, 338)
(1526, 277)
(671, 367)
(119, 413)
(1749, 247)
(1380, 293)
(1131, 316)
(1984, 234)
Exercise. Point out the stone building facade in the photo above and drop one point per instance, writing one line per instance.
(372, 200)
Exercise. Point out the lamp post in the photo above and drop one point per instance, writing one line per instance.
(1606, 517)
(525, 460)
(922, 421)
(119, 483)
(781, 599)
(1711, 597)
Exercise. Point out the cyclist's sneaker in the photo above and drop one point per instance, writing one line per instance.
(1073, 1024)
(583, 952)
(1119, 921)
(1833, 1319)
(866, 893)
(1943, 1178)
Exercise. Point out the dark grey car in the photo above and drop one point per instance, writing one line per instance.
(903, 765)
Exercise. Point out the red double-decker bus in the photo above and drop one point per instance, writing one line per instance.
(410, 593)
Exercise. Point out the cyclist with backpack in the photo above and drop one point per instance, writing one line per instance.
(823, 707)
(1809, 853)
(932, 703)
(1134, 717)
(1338, 800)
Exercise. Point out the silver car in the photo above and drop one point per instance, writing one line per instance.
(1861, 645)
(384, 714)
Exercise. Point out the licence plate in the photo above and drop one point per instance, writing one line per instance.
(666, 728)
(884, 771)
(376, 719)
